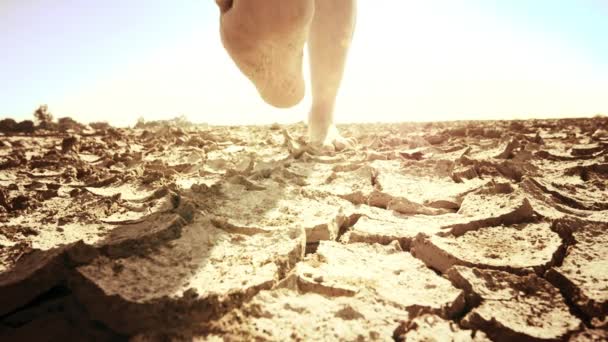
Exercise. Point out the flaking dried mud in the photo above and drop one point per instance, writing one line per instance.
(449, 231)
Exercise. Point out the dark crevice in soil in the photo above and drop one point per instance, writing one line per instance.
(311, 248)
(471, 301)
(564, 228)
(54, 316)
(436, 271)
(46, 301)
(569, 300)
(374, 180)
(556, 260)
(347, 223)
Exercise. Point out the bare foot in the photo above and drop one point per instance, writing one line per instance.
(266, 41)
(327, 138)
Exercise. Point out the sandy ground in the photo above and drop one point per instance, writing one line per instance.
(441, 231)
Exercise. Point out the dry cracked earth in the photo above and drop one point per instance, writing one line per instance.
(456, 231)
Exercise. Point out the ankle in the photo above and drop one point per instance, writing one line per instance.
(321, 113)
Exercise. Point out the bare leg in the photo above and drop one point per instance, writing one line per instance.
(266, 38)
(329, 39)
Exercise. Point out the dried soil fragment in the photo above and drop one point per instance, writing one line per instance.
(277, 207)
(520, 249)
(384, 226)
(136, 239)
(588, 149)
(437, 139)
(583, 276)
(434, 328)
(127, 192)
(571, 195)
(391, 274)
(513, 308)
(415, 190)
(480, 210)
(309, 173)
(477, 211)
(508, 150)
(544, 204)
(138, 212)
(554, 204)
(286, 315)
(355, 186)
(197, 277)
(462, 173)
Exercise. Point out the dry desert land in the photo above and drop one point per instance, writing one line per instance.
(488, 230)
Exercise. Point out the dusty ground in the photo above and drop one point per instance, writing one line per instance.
(463, 231)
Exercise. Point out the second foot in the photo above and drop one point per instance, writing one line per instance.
(266, 40)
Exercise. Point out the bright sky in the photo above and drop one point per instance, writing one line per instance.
(117, 60)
